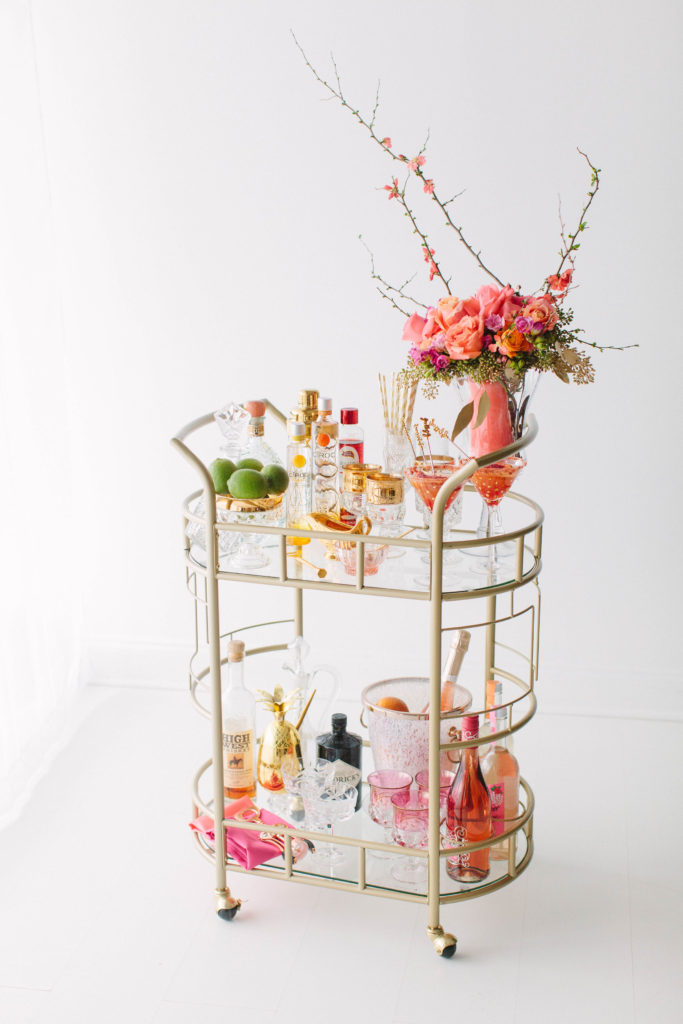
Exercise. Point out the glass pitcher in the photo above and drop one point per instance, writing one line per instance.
(307, 680)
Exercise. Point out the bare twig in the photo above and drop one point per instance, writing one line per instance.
(385, 284)
(570, 245)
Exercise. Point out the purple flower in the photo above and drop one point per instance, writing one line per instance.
(440, 361)
(494, 322)
(417, 355)
(524, 324)
(537, 328)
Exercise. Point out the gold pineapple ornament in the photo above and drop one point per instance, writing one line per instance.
(280, 738)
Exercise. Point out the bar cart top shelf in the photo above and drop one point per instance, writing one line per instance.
(404, 572)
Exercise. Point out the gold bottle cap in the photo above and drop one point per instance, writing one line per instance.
(384, 489)
(236, 650)
(308, 400)
(354, 475)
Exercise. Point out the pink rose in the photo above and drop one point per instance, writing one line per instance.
(543, 311)
(412, 329)
(465, 339)
(499, 301)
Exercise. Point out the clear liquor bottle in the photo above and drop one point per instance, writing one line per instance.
(257, 447)
(325, 440)
(468, 812)
(299, 469)
(239, 707)
(500, 769)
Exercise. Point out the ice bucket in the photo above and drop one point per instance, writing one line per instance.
(400, 739)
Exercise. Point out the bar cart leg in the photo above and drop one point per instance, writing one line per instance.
(444, 943)
(226, 905)
(298, 612)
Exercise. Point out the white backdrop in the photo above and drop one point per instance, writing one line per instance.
(206, 206)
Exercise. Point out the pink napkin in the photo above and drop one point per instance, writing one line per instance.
(249, 848)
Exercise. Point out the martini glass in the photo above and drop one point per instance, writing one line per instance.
(493, 482)
(427, 479)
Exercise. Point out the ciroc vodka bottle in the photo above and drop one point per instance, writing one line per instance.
(324, 442)
(299, 469)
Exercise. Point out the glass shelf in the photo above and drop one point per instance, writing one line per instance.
(378, 868)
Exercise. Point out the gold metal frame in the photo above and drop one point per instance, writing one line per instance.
(203, 584)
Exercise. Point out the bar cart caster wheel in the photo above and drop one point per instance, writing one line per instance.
(227, 914)
(444, 943)
(226, 905)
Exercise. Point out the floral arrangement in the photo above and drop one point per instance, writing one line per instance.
(498, 334)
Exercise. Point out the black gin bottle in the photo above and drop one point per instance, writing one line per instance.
(345, 750)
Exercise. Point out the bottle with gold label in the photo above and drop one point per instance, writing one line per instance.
(238, 729)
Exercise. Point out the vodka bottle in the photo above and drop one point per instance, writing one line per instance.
(324, 442)
(299, 469)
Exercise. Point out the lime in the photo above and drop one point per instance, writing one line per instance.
(248, 483)
(249, 464)
(221, 470)
(277, 479)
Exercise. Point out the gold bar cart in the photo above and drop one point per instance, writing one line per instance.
(522, 596)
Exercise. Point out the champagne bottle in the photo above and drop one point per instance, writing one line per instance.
(454, 696)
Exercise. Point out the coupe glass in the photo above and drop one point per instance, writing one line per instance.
(294, 775)
(493, 482)
(411, 821)
(385, 783)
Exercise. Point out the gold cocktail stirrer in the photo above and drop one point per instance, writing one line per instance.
(303, 713)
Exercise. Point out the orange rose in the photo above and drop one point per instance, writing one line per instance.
(511, 343)
(543, 310)
(464, 339)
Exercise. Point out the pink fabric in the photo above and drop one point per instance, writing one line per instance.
(496, 430)
(249, 848)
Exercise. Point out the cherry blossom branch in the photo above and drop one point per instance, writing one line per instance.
(390, 287)
(434, 269)
(415, 166)
(570, 246)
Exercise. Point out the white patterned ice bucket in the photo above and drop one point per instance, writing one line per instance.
(400, 739)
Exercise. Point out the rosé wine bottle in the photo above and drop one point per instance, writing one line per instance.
(500, 768)
(468, 811)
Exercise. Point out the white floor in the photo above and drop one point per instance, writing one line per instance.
(107, 912)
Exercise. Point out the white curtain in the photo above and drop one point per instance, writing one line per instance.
(39, 557)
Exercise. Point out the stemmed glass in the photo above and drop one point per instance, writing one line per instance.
(411, 821)
(326, 808)
(427, 478)
(295, 776)
(493, 482)
(385, 783)
(445, 782)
